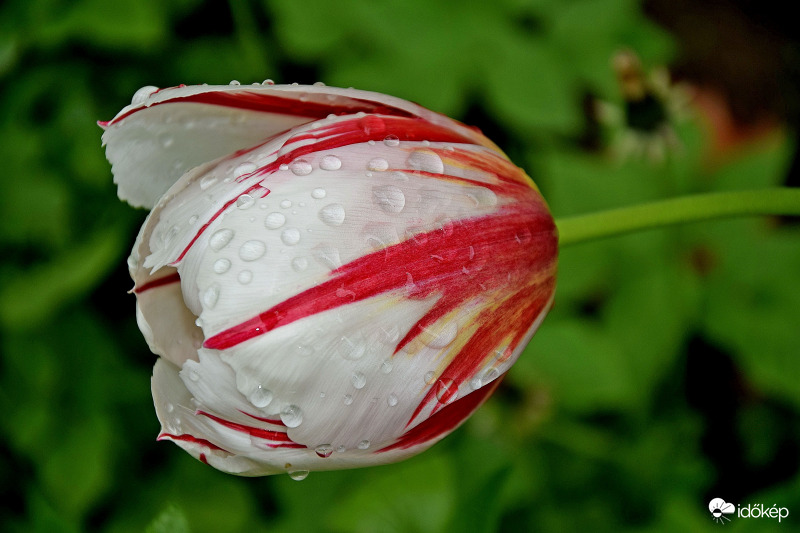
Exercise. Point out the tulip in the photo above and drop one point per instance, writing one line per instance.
(332, 278)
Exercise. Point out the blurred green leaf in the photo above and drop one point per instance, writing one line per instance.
(170, 520)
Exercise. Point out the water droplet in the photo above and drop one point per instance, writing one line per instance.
(475, 383)
(194, 376)
(234, 82)
(386, 366)
(193, 219)
(275, 220)
(290, 236)
(490, 375)
(318, 193)
(319, 84)
(363, 445)
(348, 399)
(210, 296)
(332, 214)
(327, 255)
(220, 239)
(252, 250)
(245, 201)
(298, 475)
(267, 82)
(222, 265)
(198, 322)
(391, 140)
(358, 380)
(140, 96)
(341, 449)
(299, 264)
(392, 400)
(169, 407)
(260, 397)
(446, 391)
(330, 162)
(300, 167)
(430, 377)
(389, 198)
(166, 141)
(352, 350)
(207, 181)
(426, 161)
(324, 450)
(245, 277)
(482, 197)
(291, 416)
(441, 334)
(378, 164)
(133, 261)
(244, 169)
(286, 204)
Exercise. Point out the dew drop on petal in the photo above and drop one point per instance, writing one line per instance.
(378, 164)
(300, 167)
(290, 236)
(291, 416)
(286, 204)
(358, 380)
(430, 377)
(244, 169)
(140, 96)
(234, 82)
(475, 383)
(252, 250)
(222, 265)
(245, 277)
(275, 220)
(330, 162)
(348, 399)
(389, 198)
(446, 391)
(386, 366)
(207, 181)
(169, 407)
(490, 375)
(324, 450)
(299, 264)
(245, 201)
(260, 397)
(298, 475)
(391, 140)
(392, 400)
(341, 449)
(210, 296)
(332, 214)
(194, 376)
(426, 161)
(352, 350)
(220, 239)
(363, 445)
(440, 336)
(318, 193)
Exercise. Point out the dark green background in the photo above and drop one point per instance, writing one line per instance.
(667, 373)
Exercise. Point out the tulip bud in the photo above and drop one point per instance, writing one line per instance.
(333, 278)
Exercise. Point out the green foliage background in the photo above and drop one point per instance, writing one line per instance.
(667, 373)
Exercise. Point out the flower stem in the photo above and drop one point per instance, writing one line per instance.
(594, 226)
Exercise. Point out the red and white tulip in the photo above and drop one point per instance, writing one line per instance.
(333, 278)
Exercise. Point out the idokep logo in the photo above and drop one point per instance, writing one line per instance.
(719, 508)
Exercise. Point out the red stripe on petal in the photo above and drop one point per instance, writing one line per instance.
(160, 282)
(443, 422)
(280, 437)
(190, 438)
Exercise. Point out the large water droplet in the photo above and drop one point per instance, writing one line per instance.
(222, 265)
(298, 475)
(446, 391)
(244, 169)
(358, 380)
(391, 140)
(291, 416)
(440, 335)
(318, 193)
(332, 214)
(234, 82)
(245, 201)
(324, 450)
(210, 296)
(426, 161)
(245, 277)
(475, 383)
(290, 236)
(140, 96)
(260, 397)
(389, 198)
(300, 167)
(330, 162)
(207, 181)
(275, 220)
(482, 197)
(363, 445)
(299, 264)
(378, 164)
(252, 250)
(220, 239)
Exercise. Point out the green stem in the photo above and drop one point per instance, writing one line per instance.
(594, 226)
